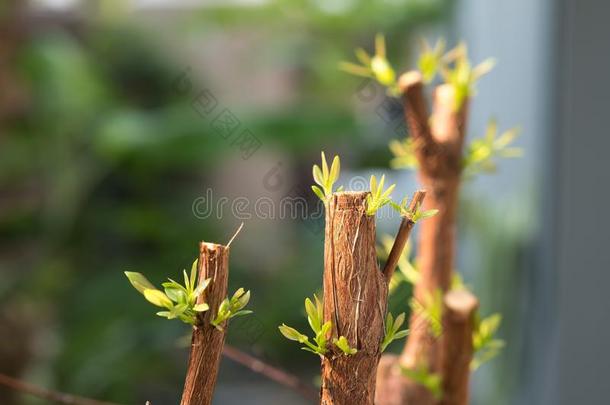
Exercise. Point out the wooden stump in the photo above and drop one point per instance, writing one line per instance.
(207, 341)
(355, 300)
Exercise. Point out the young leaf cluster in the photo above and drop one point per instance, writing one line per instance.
(431, 310)
(431, 59)
(378, 196)
(325, 178)
(321, 329)
(404, 154)
(230, 308)
(179, 301)
(485, 345)
(392, 331)
(376, 67)
(416, 214)
(424, 377)
(481, 152)
(454, 67)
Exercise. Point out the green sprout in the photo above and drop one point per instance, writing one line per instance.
(484, 343)
(378, 196)
(462, 76)
(431, 310)
(344, 346)
(392, 331)
(414, 215)
(481, 152)
(431, 59)
(326, 178)
(321, 329)
(180, 301)
(423, 376)
(376, 67)
(406, 270)
(404, 154)
(230, 308)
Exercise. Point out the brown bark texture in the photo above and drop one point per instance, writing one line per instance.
(459, 308)
(355, 300)
(439, 143)
(207, 341)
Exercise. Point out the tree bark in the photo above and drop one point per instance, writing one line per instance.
(439, 143)
(355, 300)
(207, 341)
(458, 324)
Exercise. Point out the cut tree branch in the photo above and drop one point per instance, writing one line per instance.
(207, 341)
(273, 373)
(406, 225)
(416, 111)
(47, 394)
(458, 323)
(355, 300)
(438, 149)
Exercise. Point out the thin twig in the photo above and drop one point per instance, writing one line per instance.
(49, 395)
(403, 235)
(273, 373)
(235, 234)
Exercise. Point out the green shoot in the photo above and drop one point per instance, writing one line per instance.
(462, 76)
(416, 214)
(430, 59)
(485, 345)
(230, 308)
(431, 310)
(378, 196)
(376, 67)
(391, 329)
(326, 178)
(419, 214)
(422, 376)
(344, 346)
(404, 154)
(315, 317)
(407, 270)
(180, 301)
(321, 329)
(481, 152)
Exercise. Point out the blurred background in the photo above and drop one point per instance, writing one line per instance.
(125, 124)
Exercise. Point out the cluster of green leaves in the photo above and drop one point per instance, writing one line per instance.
(454, 67)
(430, 309)
(230, 308)
(376, 67)
(404, 154)
(321, 329)
(415, 214)
(326, 178)
(392, 331)
(180, 301)
(407, 271)
(424, 377)
(378, 196)
(481, 153)
(431, 59)
(485, 345)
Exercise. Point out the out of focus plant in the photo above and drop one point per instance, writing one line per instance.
(376, 67)
(486, 345)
